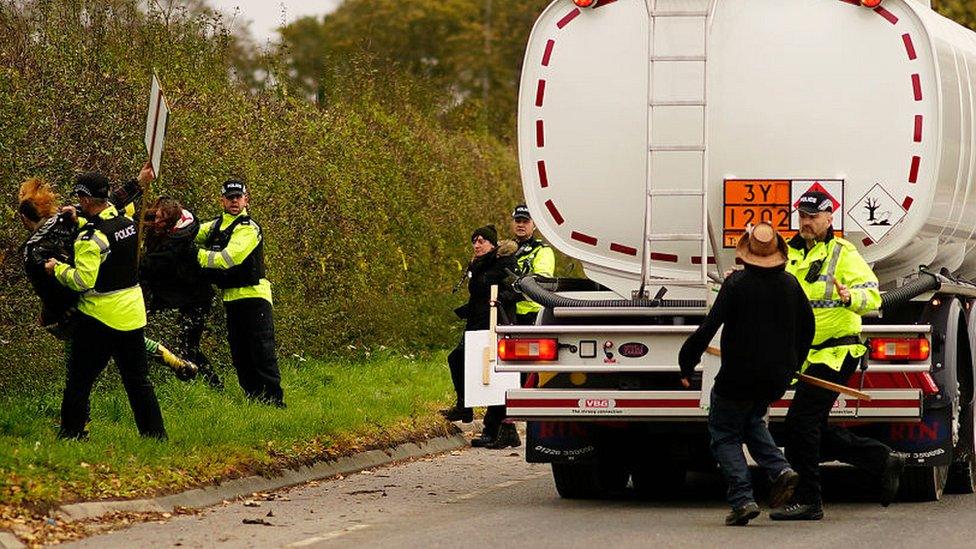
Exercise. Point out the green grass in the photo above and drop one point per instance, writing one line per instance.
(334, 408)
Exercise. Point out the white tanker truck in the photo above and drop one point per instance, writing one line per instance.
(652, 132)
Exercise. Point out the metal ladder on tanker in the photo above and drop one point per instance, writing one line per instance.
(678, 44)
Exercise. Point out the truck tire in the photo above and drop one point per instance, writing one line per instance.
(962, 472)
(923, 483)
(589, 480)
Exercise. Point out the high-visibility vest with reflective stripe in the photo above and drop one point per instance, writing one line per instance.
(535, 257)
(120, 304)
(243, 241)
(838, 260)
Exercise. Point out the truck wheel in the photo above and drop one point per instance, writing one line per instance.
(661, 480)
(923, 483)
(589, 480)
(962, 472)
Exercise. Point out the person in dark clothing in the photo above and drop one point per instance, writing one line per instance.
(172, 279)
(489, 267)
(768, 327)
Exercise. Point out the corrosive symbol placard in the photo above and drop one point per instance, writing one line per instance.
(876, 213)
(156, 124)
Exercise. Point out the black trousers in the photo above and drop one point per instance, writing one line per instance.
(92, 344)
(191, 321)
(455, 362)
(811, 440)
(250, 334)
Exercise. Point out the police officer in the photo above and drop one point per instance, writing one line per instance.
(112, 314)
(841, 287)
(233, 257)
(532, 257)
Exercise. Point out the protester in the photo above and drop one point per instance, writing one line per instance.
(52, 236)
(232, 256)
(488, 268)
(768, 327)
(111, 312)
(841, 287)
(173, 279)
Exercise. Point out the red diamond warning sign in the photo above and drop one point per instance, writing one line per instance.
(834, 188)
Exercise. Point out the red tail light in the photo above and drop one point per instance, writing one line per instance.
(528, 349)
(899, 348)
(584, 3)
(871, 3)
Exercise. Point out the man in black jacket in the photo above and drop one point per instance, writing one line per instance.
(768, 328)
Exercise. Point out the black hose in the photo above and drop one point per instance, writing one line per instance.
(531, 288)
(926, 282)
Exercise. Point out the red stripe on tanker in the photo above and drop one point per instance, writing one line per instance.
(548, 53)
(568, 18)
(620, 248)
(543, 176)
(584, 238)
(556, 216)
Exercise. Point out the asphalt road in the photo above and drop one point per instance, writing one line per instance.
(484, 498)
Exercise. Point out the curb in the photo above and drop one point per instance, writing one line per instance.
(10, 541)
(233, 489)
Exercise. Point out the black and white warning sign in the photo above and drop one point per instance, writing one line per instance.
(876, 213)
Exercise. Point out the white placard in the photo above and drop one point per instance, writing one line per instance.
(156, 118)
(476, 393)
(877, 212)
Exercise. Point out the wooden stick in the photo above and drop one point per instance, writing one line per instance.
(492, 338)
(842, 389)
(816, 381)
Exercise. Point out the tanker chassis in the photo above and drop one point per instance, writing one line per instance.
(653, 132)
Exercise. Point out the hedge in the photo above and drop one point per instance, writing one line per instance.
(366, 205)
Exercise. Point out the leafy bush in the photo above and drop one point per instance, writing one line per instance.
(366, 205)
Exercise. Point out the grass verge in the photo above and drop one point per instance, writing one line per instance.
(334, 408)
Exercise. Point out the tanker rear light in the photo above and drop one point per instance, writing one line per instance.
(585, 3)
(899, 348)
(528, 349)
(871, 3)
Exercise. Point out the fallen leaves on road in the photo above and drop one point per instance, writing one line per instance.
(260, 521)
(251, 503)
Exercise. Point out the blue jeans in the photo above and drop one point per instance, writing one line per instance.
(732, 423)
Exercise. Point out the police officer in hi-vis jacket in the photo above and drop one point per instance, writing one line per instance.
(111, 312)
(232, 255)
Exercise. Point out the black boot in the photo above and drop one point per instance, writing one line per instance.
(891, 478)
(798, 511)
(484, 440)
(507, 437)
(464, 415)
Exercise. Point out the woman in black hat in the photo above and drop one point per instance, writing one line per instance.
(489, 267)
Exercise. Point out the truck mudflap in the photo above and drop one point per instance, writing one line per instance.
(927, 442)
(563, 405)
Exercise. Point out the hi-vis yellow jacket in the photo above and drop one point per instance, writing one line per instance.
(534, 257)
(243, 242)
(837, 259)
(109, 286)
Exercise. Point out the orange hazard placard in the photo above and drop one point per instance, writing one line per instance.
(751, 201)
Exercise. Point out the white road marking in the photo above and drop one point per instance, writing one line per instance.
(328, 535)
